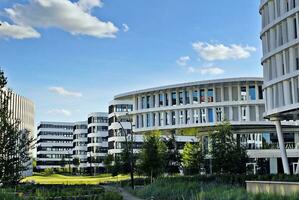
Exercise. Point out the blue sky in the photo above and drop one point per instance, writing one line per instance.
(71, 67)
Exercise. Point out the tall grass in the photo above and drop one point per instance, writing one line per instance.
(190, 189)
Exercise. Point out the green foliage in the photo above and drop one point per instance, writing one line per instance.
(108, 163)
(49, 171)
(173, 156)
(116, 168)
(195, 188)
(152, 155)
(14, 143)
(192, 158)
(229, 156)
(76, 162)
(62, 162)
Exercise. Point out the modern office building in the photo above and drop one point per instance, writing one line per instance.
(22, 109)
(97, 145)
(280, 62)
(80, 145)
(86, 140)
(54, 144)
(202, 105)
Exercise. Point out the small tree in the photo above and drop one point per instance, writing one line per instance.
(173, 156)
(76, 163)
(62, 162)
(116, 168)
(108, 163)
(228, 154)
(15, 144)
(152, 155)
(192, 158)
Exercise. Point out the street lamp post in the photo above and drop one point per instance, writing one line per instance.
(127, 147)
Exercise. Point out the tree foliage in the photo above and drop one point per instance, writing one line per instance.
(192, 158)
(173, 156)
(15, 144)
(229, 156)
(152, 155)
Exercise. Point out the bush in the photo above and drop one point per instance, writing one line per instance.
(49, 171)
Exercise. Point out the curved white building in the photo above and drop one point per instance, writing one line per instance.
(80, 144)
(200, 104)
(97, 145)
(280, 61)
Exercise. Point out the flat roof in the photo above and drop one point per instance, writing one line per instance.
(189, 84)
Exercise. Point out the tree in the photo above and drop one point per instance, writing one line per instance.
(228, 154)
(173, 156)
(192, 158)
(116, 168)
(15, 144)
(62, 162)
(108, 163)
(125, 158)
(76, 163)
(152, 155)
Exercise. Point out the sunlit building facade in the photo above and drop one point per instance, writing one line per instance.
(202, 105)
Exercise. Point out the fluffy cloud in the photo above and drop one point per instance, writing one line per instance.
(72, 17)
(63, 92)
(211, 52)
(17, 32)
(63, 112)
(126, 28)
(87, 5)
(206, 70)
(182, 61)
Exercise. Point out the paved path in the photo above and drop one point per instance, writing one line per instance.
(126, 195)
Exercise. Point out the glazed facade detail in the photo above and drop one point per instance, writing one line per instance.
(279, 35)
(199, 104)
(80, 144)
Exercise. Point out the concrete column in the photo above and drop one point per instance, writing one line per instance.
(169, 99)
(247, 91)
(286, 167)
(177, 117)
(291, 33)
(239, 92)
(191, 116)
(184, 117)
(256, 91)
(169, 117)
(240, 114)
(190, 95)
(294, 91)
(214, 94)
(273, 165)
(257, 113)
(157, 119)
(271, 11)
(214, 115)
(292, 59)
(247, 113)
(231, 113)
(144, 120)
(286, 90)
(206, 95)
(139, 102)
(178, 98)
(222, 93)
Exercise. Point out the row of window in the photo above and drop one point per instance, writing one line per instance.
(276, 8)
(54, 156)
(198, 116)
(53, 148)
(97, 149)
(200, 96)
(52, 133)
(97, 120)
(82, 126)
(120, 108)
(79, 136)
(97, 140)
(53, 126)
(96, 129)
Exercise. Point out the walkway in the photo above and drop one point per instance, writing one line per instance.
(126, 195)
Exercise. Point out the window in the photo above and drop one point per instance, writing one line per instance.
(252, 95)
(187, 97)
(219, 114)
(173, 98)
(173, 118)
(203, 116)
(143, 103)
(166, 100)
(195, 116)
(195, 96)
(148, 101)
(243, 113)
(181, 98)
(260, 92)
(161, 99)
(202, 96)
(154, 119)
(210, 95)
(167, 118)
(142, 121)
(181, 117)
(243, 93)
(210, 115)
(148, 120)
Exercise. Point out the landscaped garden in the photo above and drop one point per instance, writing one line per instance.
(43, 192)
(199, 188)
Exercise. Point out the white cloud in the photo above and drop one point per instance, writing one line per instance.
(64, 14)
(213, 52)
(64, 112)
(205, 70)
(87, 5)
(63, 92)
(182, 61)
(126, 28)
(17, 32)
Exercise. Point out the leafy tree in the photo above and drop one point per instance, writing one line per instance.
(173, 156)
(229, 156)
(15, 144)
(76, 163)
(116, 168)
(108, 162)
(152, 155)
(62, 162)
(192, 158)
(125, 158)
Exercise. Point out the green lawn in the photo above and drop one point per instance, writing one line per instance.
(73, 180)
